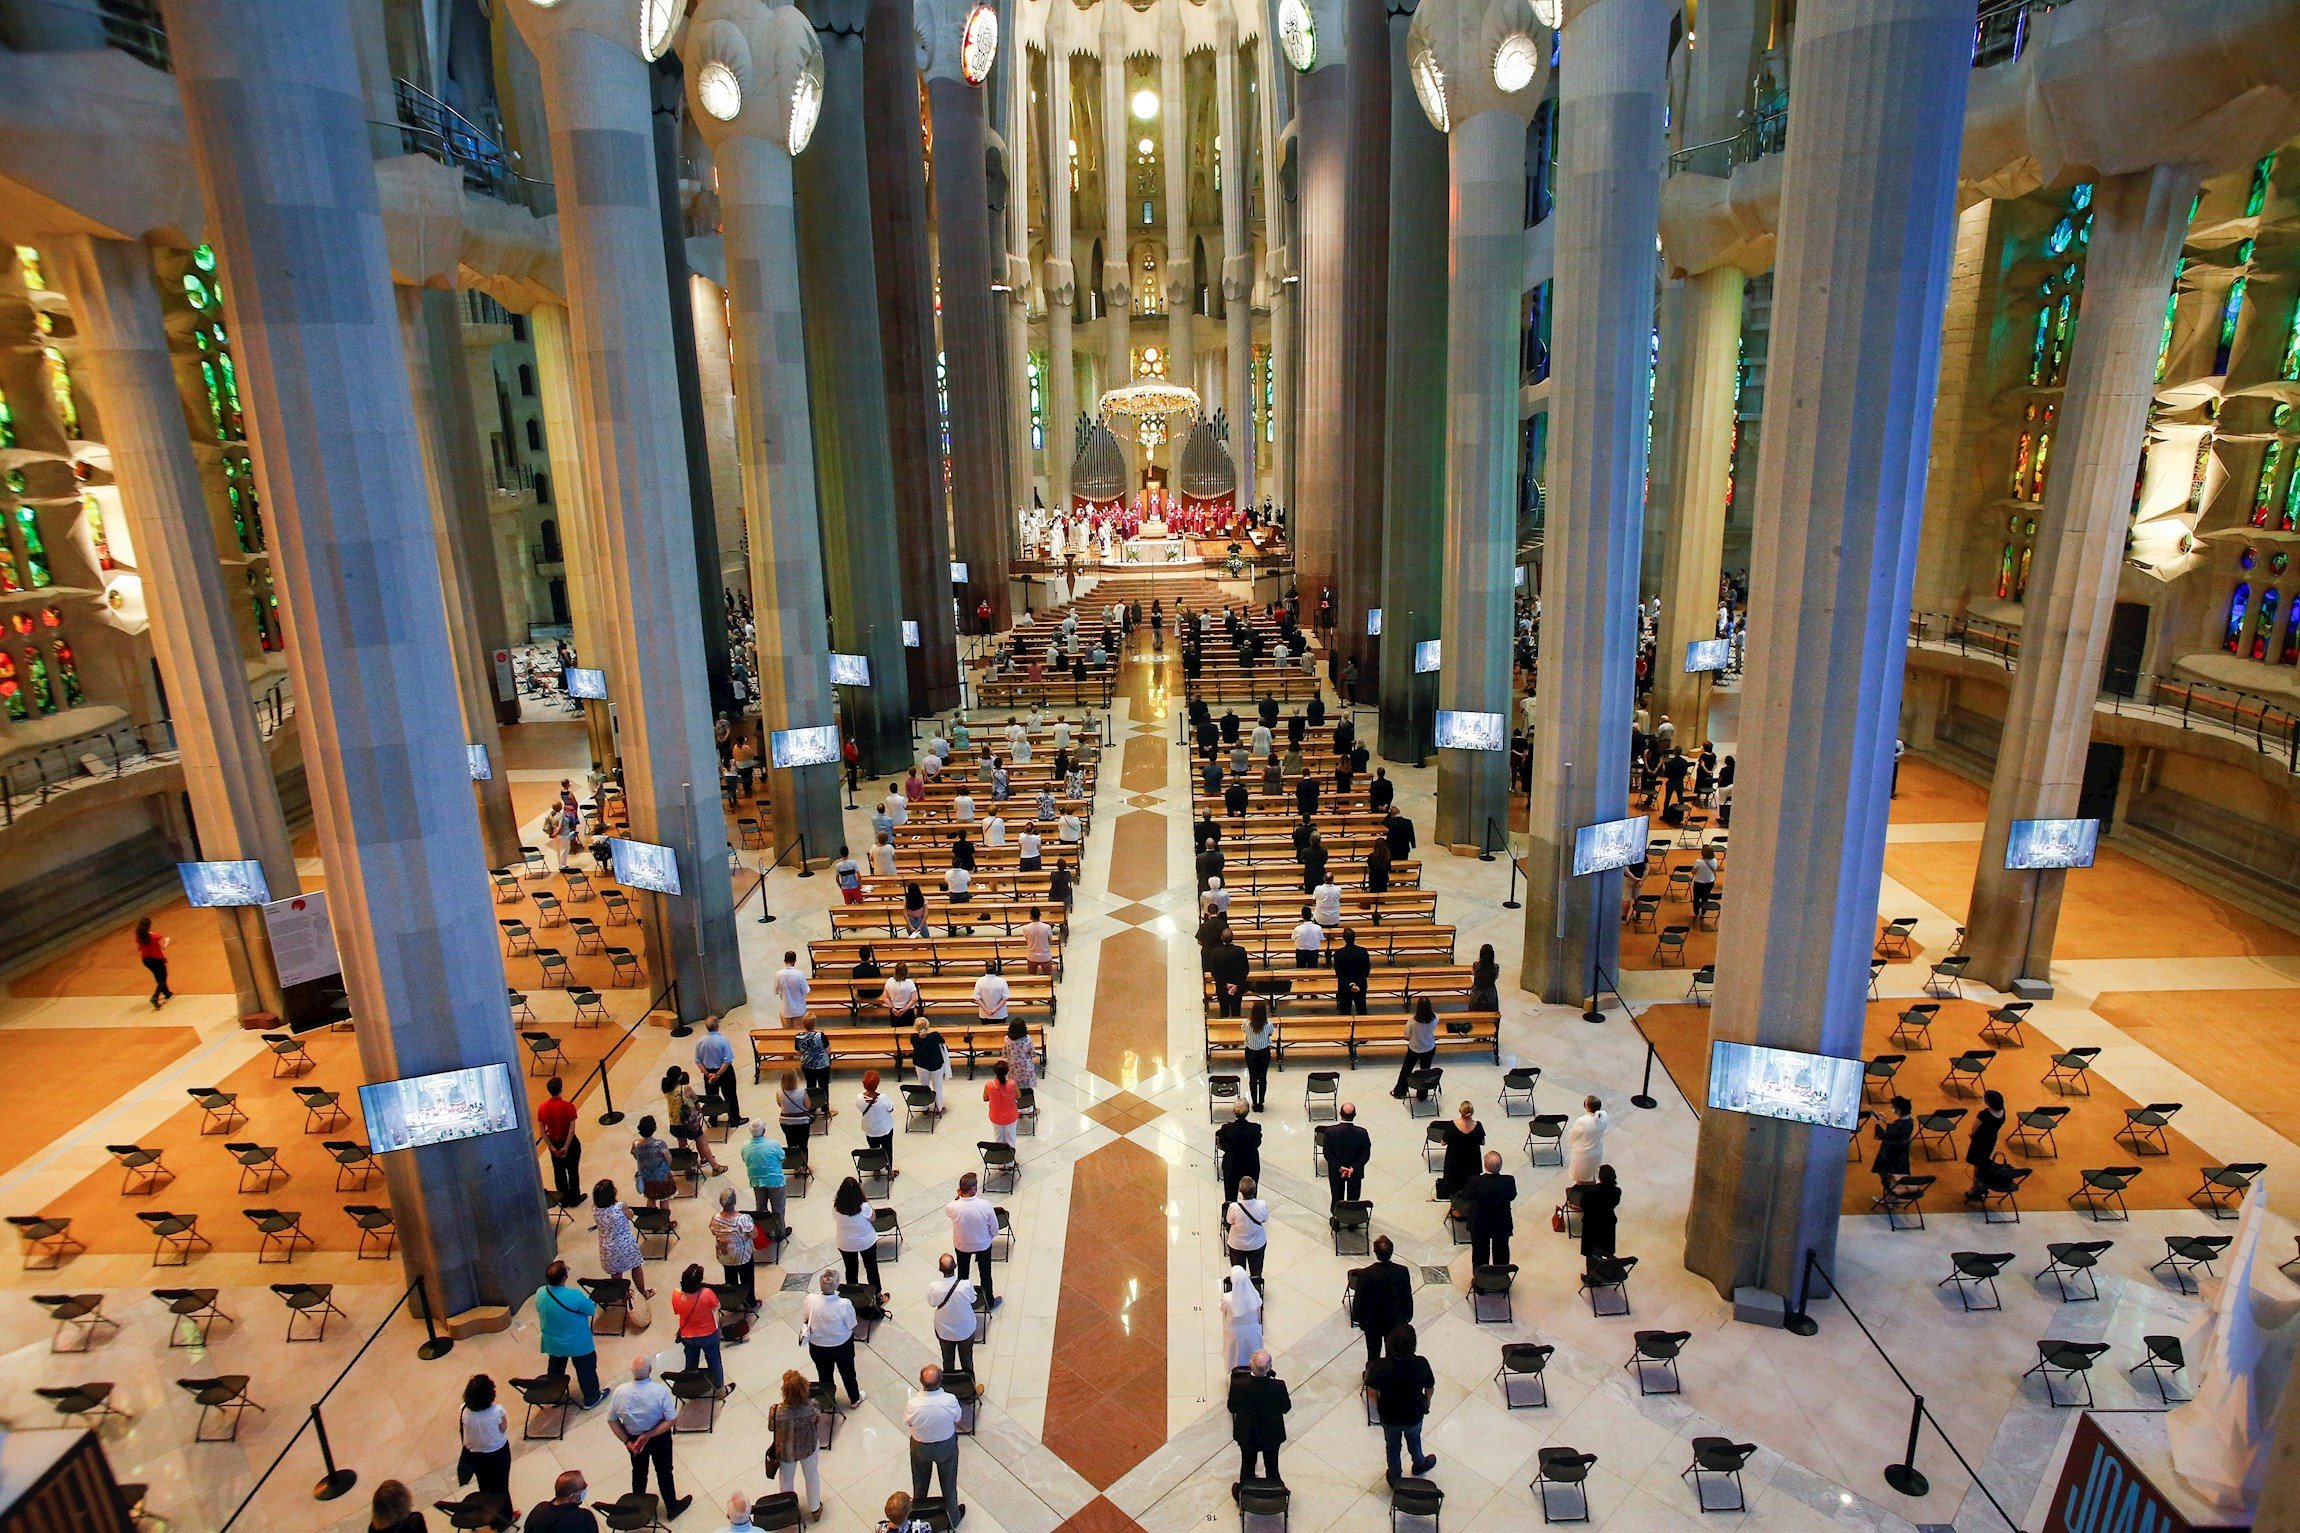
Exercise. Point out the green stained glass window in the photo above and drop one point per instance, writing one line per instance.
(197, 292)
(2290, 369)
(2264, 496)
(36, 680)
(204, 257)
(11, 689)
(2257, 198)
(60, 383)
(67, 672)
(28, 263)
(35, 551)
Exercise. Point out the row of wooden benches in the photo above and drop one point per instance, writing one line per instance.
(1393, 988)
(1377, 1033)
(977, 1044)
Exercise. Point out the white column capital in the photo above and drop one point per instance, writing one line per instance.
(753, 71)
(648, 30)
(1469, 57)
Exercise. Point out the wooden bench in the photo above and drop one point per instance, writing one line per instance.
(922, 859)
(840, 997)
(969, 956)
(1359, 907)
(1409, 942)
(1018, 691)
(1285, 809)
(1394, 989)
(1356, 1036)
(1006, 917)
(1286, 683)
(935, 824)
(1003, 884)
(775, 1049)
(1277, 875)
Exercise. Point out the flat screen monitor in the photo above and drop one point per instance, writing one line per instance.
(1373, 622)
(1608, 845)
(957, 572)
(849, 670)
(481, 768)
(1819, 1089)
(582, 683)
(1426, 656)
(1708, 655)
(1518, 579)
(436, 1109)
(644, 865)
(909, 634)
(209, 884)
(1458, 731)
(804, 747)
(2052, 844)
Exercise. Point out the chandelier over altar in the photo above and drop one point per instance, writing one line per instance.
(1139, 411)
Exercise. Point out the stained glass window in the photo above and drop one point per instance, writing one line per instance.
(2171, 313)
(2264, 497)
(36, 680)
(2196, 475)
(2239, 601)
(2290, 368)
(95, 514)
(265, 603)
(2290, 520)
(35, 551)
(67, 672)
(2291, 652)
(2257, 198)
(28, 266)
(2005, 573)
(11, 690)
(1037, 401)
(2231, 311)
(60, 384)
(2265, 628)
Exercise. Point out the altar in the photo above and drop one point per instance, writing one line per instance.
(1157, 551)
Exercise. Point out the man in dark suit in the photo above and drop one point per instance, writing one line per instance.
(1381, 1297)
(1235, 798)
(1306, 795)
(1348, 1148)
(1353, 968)
(1381, 792)
(1226, 961)
(1258, 1406)
(1269, 711)
(1490, 1222)
(1239, 1143)
(1401, 834)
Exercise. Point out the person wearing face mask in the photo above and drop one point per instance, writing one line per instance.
(565, 1511)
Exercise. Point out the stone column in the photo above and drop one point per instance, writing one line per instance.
(1318, 482)
(1413, 486)
(707, 301)
(123, 344)
(1275, 465)
(279, 143)
(1022, 470)
(1478, 47)
(597, 92)
(1608, 210)
(971, 333)
(579, 529)
(1703, 351)
(846, 371)
(2138, 222)
(905, 263)
(1117, 175)
(1867, 213)
(431, 333)
(762, 56)
(1365, 337)
(1060, 277)
(1237, 264)
(1181, 269)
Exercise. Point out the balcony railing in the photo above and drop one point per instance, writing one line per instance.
(429, 126)
(2269, 726)
(122, 750)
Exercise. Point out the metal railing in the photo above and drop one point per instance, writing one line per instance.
(132, 27)
(122, 749)
(2269, 725)
(2001, 30)
(429, 126)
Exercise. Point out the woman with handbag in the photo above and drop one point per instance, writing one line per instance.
(736, 1238)
(795, 1113)
(697, 1309)
(796, 1425)
(485, 1460)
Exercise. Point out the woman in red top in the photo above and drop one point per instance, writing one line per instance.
(1004, 1111)
(153, 950)
(698, 1310)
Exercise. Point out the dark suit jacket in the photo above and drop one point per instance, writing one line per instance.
(1352, 965)
(1349, 1146)
(1240, 1144)
(1385, 1297)
(1490, 1195)
(1229, 966)
(1258, 1406)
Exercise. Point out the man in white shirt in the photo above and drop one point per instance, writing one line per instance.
(994, 829)
(896, 806)
(954, 1324)
(931, 1417)
(641, 1415)
(791, 988)
(1309, 941)
(973, 1226)
(1038, 945)
(990, 994)
(930, 767)
(962, 807)
(1328, 902)
(1261, 739)
(882, 857)
(1027, 850)
(1062, 733)
(1069, 829)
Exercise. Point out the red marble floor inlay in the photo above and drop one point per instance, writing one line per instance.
(1128, 1042)
(1100, 1516)
(1138, 855)
(1106, 1392)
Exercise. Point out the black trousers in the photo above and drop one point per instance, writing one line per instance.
(867, 1260)
(159, 972)
(658, 1455)
(1305, 958)
(1374, 1339)
(839, 1359)
(956, 1355)
(818, 1088)
(1349, 998)
(1347, 1183)
(1413, 1062)
(1257, 1073)
(1246, 1457)
(567, 1173)
(720, 1088)
(981, 1263)
(1250, 1260)
(1488, 1251)
(1228, 1002)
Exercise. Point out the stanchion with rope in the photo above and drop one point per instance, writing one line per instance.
(337, 1480)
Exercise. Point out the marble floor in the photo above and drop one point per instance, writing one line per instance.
(1102, 1369)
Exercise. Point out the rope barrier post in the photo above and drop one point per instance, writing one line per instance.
(1799, 1322)
(336, 1481)
(804, 870)
(1645, 1097)
(1484, 842)
(766, 916)
(435, 1346)
(1904, 1476)
(610, 1117)
(1512, 903)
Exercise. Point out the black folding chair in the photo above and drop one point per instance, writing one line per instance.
(1972, 1271)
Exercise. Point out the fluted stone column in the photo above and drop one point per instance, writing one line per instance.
(597, 93)
(971, 332)
(1181, 269)
(1060, 277)
(579, 529)
(1013, 78)
(123, 346)
(279, 143)
(1608, 210)
(1485, 144)
(1237, 264)
(707, 302)
(1414, 469)
(905, 264)
(2138, 222)
(1703, 351)
(1867, 215)
(847, 387)
(447, 431)
(1321, 143)
(762, 55)
(1117, 175)
(1274, 107)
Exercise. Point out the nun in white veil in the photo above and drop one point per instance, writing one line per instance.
(1241, 1318)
